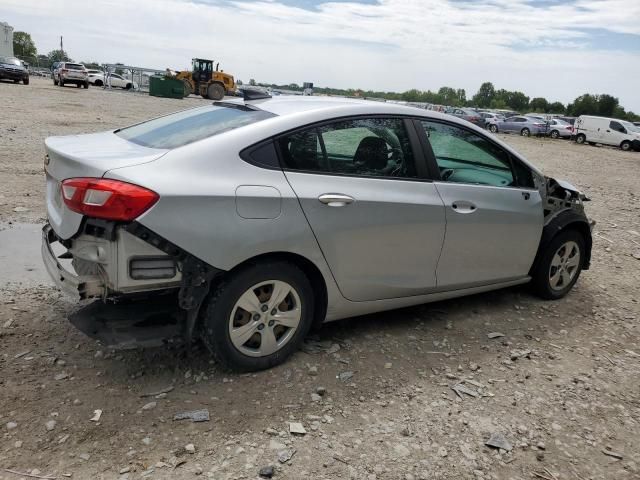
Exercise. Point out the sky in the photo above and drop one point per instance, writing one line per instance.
(557, 49)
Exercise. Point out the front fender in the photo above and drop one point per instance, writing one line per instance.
(560, 222)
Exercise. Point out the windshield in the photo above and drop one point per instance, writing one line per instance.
(74, 66)
(10, 60)
(189, 126)
(630, 127)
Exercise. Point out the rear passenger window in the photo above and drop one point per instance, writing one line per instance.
(376, 147)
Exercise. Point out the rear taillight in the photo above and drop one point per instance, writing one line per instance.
(108, 199)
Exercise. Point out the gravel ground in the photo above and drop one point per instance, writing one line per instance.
(373, 393)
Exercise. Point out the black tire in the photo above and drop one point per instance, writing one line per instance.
(61, 83)
(78, 85)
(25, 81)
(55, 82)
(580, 138)
(525, 132)
(554, 134)
(187, 88)
(215, 91)
(221, 303)
(626, 145)
(541, 278)
(493, 128)
(85, 85)
(98, 83)
(129, 86)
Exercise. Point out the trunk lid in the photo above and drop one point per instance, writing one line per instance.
(89, 155)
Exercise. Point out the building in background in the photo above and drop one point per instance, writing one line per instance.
(6, 39)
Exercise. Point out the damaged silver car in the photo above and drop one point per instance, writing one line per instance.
(251, 220)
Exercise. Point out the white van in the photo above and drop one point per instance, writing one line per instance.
(607, 131)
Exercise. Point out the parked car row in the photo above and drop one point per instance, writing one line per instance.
(76, 73)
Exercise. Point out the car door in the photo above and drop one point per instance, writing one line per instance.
(508, 125)
(493, 211)
(378, 221)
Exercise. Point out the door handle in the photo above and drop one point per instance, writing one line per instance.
(526, 195)
(461, 206)
(335, 199)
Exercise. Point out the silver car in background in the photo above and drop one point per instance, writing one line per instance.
(254, 219)
(521, 124)
(559, 128)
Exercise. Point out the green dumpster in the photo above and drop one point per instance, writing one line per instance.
(161, 86)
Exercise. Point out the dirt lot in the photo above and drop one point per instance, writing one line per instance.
(561, 385)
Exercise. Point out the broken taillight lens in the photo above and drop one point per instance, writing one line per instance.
(108, 199)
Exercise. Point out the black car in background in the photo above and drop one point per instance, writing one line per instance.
(12, 68)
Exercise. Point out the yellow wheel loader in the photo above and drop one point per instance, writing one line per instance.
(204, 80)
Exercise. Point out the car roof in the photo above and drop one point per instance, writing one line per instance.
(295, 111)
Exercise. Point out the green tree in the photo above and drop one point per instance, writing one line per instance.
(23, 45)
(539, 104)
(556, 107)
(485, 95)
(58, 56)
(607, 105)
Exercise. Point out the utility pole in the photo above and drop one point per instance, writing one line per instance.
(61, 46)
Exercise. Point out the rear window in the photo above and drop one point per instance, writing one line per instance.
(189, 126)
(74, 66)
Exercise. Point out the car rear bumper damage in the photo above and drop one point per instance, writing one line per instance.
(117, 263)
(77, 286)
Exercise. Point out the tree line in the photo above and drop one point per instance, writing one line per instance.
(487, 96)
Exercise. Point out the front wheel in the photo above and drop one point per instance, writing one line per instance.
(259, 316)
(61, 83)
(580, 139)
(25, 81)
(85, 85)
(559, 266)
(55, 82)
(493, 128)
(215, 91)
(525, 132)
(626, 145)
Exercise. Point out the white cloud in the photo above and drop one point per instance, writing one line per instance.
(396, 45)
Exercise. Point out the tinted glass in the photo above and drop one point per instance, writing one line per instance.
(192, 125)
(465, 157)
(74, 66)
(369, 147)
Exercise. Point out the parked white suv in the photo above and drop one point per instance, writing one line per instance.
(607, 131)
(67, 72)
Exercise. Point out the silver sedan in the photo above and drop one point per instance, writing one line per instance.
(251, 220)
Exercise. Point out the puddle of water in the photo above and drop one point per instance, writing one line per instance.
(20, 259)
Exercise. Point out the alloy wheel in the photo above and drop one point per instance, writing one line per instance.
(564, 265)
(265, 318)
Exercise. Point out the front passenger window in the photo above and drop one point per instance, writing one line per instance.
(464, 156)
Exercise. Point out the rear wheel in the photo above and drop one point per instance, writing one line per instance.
(555, 134)
(559, 266)
(128, 86)
(86, 85)
(493, 128)
(580, 138)
(61, 82)
(98, 83)
(525, 132)
(258, 316)
(215, 91)
(78, 85)
(25, 81)
(626, 145)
